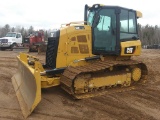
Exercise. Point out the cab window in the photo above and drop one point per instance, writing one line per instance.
(18, 36)
(128, 28)
(104, 23)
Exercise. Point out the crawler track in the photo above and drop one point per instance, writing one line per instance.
(72, 73)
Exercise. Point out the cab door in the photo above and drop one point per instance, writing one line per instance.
(104, 33)
(18, 38)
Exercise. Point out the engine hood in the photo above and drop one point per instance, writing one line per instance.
(7, 38)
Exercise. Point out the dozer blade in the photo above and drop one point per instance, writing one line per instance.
(27, 86)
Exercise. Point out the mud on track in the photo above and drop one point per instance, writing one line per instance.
(142, 103)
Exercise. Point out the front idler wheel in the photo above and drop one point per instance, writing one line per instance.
(136, 74)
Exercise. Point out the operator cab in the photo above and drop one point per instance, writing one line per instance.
(111, 25)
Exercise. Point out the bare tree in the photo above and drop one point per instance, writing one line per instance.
(12, 29)
(30, 30)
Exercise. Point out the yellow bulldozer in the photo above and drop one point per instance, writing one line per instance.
(85, 58)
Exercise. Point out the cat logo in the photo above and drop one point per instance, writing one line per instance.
(129, 50)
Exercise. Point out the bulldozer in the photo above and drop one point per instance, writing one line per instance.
(86, 58)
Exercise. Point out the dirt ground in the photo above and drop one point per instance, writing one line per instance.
(142, 103)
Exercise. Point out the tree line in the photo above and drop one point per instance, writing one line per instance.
(148, 34)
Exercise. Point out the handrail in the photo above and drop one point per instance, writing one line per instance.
(77, 22)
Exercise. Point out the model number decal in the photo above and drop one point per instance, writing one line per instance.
(130, 50)
(79, 27)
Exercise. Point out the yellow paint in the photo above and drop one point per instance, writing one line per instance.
(38, 85)
(62, 49)
(85, 84)
(129, 44)
(64, 56)
(49, 82)
(139, 14)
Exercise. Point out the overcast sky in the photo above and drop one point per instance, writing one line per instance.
(50, 14)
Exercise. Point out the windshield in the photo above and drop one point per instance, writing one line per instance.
(11, 35)
(90, 18)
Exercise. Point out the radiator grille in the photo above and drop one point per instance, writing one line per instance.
(51, 53)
